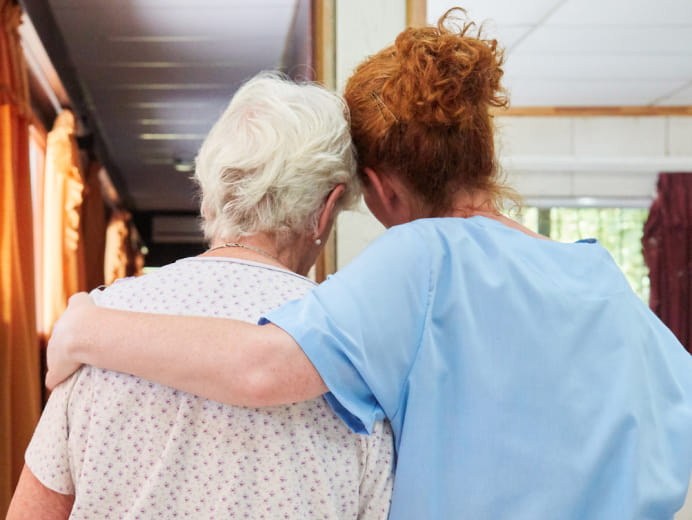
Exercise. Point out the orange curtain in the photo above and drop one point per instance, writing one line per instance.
(20, 385)
(63, 241)
(94, 227)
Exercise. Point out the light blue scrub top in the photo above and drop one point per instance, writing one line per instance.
(523, 378)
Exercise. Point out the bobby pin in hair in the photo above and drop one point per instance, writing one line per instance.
(380, 103)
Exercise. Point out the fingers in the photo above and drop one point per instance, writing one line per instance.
(59, 359)
(51, 380)
(55, 376)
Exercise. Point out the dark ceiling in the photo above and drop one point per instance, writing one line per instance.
(148, 78)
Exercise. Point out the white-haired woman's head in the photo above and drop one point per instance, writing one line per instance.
(273, 157)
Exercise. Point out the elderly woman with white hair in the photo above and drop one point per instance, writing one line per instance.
(274, 171)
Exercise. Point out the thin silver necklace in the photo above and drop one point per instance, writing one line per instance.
(255, 249)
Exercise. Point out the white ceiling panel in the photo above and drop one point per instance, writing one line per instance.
(622, 12)
(640, 67)
(507, 35)
(598, 40)
(680, 97)
(504, 12)
(606, 92)
(591, 52)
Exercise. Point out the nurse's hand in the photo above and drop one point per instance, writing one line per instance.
(60, 355)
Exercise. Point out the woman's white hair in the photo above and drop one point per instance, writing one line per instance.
(273, 157)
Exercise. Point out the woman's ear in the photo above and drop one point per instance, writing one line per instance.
(377, 186)
(387, 198)
(328, 211)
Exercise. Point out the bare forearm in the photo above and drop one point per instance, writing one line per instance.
(32, 500)
(225, 360)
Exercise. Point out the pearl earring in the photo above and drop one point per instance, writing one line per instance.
(318, 241)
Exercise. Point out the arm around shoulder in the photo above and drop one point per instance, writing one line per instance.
(249, 365)
(221, 359)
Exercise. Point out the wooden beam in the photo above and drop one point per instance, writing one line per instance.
(324, 60)
(324, 42)
(416, 13)
(611, 111)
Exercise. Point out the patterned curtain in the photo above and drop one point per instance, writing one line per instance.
(20, 385)
(667, 246)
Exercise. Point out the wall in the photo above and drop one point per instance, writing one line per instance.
(615, 160)
(363, 27)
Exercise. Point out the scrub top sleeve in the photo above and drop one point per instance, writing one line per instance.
(362, 328)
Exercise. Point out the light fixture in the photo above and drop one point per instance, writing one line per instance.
(183, 166)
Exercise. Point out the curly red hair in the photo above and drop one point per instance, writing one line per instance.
(421, 109)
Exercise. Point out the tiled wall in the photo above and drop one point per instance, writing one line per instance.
(611, 157)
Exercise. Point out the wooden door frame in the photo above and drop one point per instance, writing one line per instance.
(323, 26)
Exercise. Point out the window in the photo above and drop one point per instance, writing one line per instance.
(37, 162)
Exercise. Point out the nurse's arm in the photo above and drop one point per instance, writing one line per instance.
(221, 359)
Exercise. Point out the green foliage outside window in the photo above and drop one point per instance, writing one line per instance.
(619, 230)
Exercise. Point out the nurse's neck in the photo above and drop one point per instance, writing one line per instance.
(482, 205)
